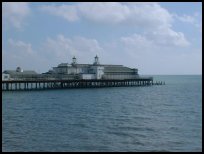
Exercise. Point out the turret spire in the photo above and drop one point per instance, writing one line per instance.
(96, 62)
(74, 60)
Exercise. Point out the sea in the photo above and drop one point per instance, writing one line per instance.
(157, 118)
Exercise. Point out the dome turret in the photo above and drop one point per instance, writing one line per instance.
(74, 61)
(18, 69)
(96, 62)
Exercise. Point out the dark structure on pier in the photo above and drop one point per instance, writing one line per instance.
(63, 84)
(75, 76)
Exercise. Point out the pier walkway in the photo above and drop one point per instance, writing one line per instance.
(17, 85)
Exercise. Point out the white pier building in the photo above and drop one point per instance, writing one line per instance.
(94, 71)
(74, 70)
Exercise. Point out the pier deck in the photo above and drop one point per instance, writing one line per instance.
(17, 85)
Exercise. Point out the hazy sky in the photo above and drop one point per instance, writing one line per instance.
(156, 38)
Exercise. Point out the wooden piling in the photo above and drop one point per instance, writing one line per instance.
(62, 84)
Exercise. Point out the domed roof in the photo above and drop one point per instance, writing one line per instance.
(74, 61)
(96, 62)
(18, 69)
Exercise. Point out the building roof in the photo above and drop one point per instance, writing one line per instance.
(80, 65)
(108, 69)
(25, 72)
(63, 65)
(107, 65)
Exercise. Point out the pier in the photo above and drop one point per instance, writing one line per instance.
(18, 85)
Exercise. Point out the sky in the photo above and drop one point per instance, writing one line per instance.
(156, 38)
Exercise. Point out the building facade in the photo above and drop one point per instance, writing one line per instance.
(18, 74)
(95, 70)
(65, 71)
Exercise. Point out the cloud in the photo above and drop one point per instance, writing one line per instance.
(158, 54)
(137, 51)
(186, 18)
(17, 52)
(68, 12)
(141, 14)
(112, 12)
(14, 13)
(154, 45)
(63, 49)
(52, 52)
(20, 53)
(160, 38)
(168, 37)
(149, 18)
(20, 46)
(194, 19)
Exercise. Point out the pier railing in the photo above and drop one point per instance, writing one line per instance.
(16, 85)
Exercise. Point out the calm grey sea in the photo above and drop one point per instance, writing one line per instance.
(153, 118)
